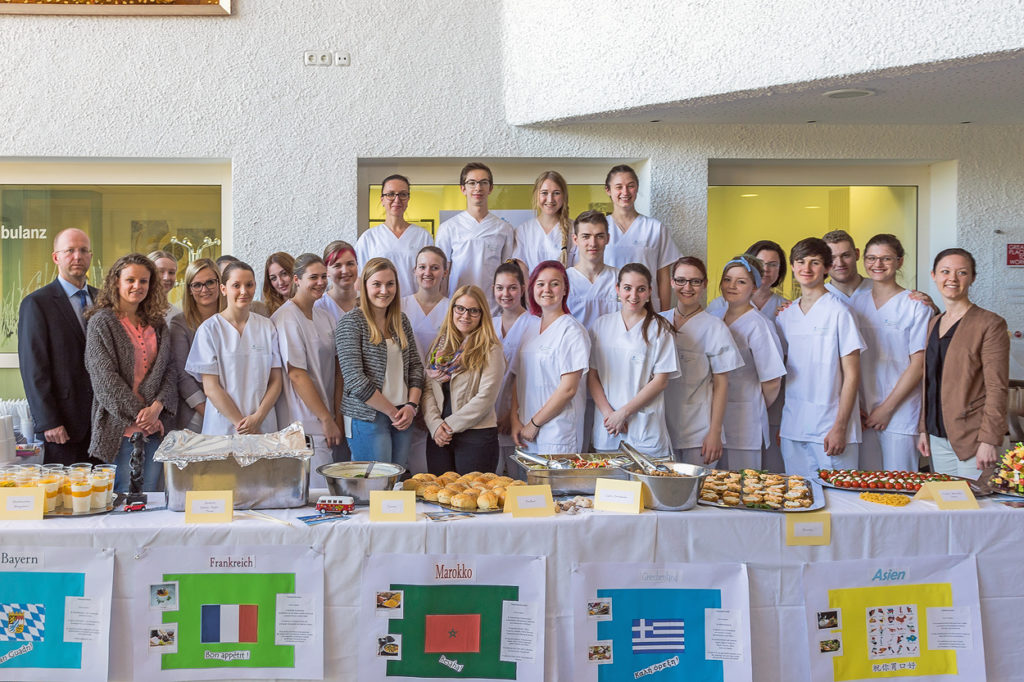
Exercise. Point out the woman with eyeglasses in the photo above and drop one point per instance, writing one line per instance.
(201, 302)
(548, 402)
(396, 239)
(278, 281)
(755, 385)
(236, 355)
(306, 337)
(382, 371)
(632, 359)
(895, 330)
(128, 357)
(707, 353)
(464, 373)
(343, 274)
(548, 236)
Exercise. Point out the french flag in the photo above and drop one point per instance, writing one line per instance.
(231, 623)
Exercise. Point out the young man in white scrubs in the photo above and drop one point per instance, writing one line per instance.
(820, 424)
(591, 282)
(844, 280)
(476, 241)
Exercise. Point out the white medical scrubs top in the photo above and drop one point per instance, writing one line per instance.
(534, 246)
(242, 363)
(424, 327)
(381, 242)
(815, 344)
(746, 417)
(626, 363)
(892, 333)
(309, 345)
(704, 347)
(863, 288)
(564, 347)
(718, 306)
(475, 250)
(646, 241)
(327, 304)
(510, 346)
(588, 300)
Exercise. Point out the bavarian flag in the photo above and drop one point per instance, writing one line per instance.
(458, 623)
(32, 609)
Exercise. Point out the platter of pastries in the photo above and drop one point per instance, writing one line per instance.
(473, 492)
(756, 490)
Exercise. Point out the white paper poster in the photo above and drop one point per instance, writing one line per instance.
(228, 612)
(909, 618)
(55, 613)
(471, 617)
(667, 621)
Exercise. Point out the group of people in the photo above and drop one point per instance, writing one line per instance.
(556, 336)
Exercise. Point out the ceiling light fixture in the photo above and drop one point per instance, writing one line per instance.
(849, 93)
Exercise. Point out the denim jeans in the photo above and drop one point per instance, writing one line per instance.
(152, 472)
(378, 440)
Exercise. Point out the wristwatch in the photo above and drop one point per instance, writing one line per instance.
(415, 407)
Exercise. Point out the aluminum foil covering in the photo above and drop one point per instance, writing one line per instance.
(184, 447)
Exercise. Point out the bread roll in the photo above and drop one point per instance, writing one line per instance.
(515, 482)
(430, 491)
(487, 476)
(456, 486)
(444, 495)
(425, 477)
(487, 500)
(463, 501)
(449, 476)
(412, 484)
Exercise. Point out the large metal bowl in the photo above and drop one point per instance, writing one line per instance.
(349, 478)
(672, 493)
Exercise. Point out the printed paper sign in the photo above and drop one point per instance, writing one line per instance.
(619, 496)
(209, 506)
(392, 505)
(809, 528)
(22, 504)
(948, 494)
(529, 501)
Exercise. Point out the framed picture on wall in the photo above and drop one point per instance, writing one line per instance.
(118, 7)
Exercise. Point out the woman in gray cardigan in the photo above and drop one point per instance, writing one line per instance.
(382, 371)
(128, 356)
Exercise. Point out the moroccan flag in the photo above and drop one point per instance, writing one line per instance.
(452, 633)
(231, 623)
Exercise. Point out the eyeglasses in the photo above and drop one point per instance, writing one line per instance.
(391, 196)
(473, 184)
(199, 286)
(80, 251)
(463, 310)
(884, 260)
(682, 282)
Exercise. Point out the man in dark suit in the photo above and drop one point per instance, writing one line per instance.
(51, 352)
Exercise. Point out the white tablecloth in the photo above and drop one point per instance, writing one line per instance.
(859, 530)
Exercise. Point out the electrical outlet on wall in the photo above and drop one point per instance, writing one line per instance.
(317, 58)
(341, 59)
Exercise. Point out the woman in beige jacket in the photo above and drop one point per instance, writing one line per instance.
(464, 369)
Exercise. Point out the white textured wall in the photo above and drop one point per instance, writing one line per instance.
(425, 81)
(570, 59)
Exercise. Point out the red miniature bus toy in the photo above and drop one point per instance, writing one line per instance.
(335, 504)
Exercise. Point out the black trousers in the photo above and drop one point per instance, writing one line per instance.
(67, 453)
(472, 450)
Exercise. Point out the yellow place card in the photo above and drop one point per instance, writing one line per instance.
(809, 528)
(209, 506)
(948, 494)
(529, 501)
(22, 504)
(616, 495)
(392, 505)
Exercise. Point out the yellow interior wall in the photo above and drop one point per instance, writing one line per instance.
(788, 214)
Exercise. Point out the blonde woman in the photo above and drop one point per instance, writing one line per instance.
(202, 301)
(381, 369)
(549, 235)
(278, 284)
(464, 375)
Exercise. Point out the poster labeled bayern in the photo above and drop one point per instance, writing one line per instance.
(228, 612)
(457, 616)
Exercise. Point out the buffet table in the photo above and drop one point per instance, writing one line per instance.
(859, 530)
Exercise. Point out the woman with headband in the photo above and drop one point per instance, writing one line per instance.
(755, 385)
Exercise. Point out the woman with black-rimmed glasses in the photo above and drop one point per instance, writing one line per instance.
(201, 301)
(396, 239)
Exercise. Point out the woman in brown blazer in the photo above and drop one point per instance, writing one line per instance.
(966, 377)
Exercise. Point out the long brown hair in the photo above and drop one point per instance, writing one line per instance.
(153, 308)
(478, 344)
(649, 314)
(271, 296)
(564, 221)
(193, 318)
(393, 315)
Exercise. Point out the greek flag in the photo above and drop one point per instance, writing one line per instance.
(658, 636)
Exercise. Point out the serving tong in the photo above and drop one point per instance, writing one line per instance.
(641, 460)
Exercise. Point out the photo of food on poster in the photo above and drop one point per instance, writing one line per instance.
(462, 616)
(672, 621)
(913, 619)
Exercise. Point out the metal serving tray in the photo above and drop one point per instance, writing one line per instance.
(573, 481)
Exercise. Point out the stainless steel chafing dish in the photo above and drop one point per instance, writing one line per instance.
(538, 470)
(265, 471)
